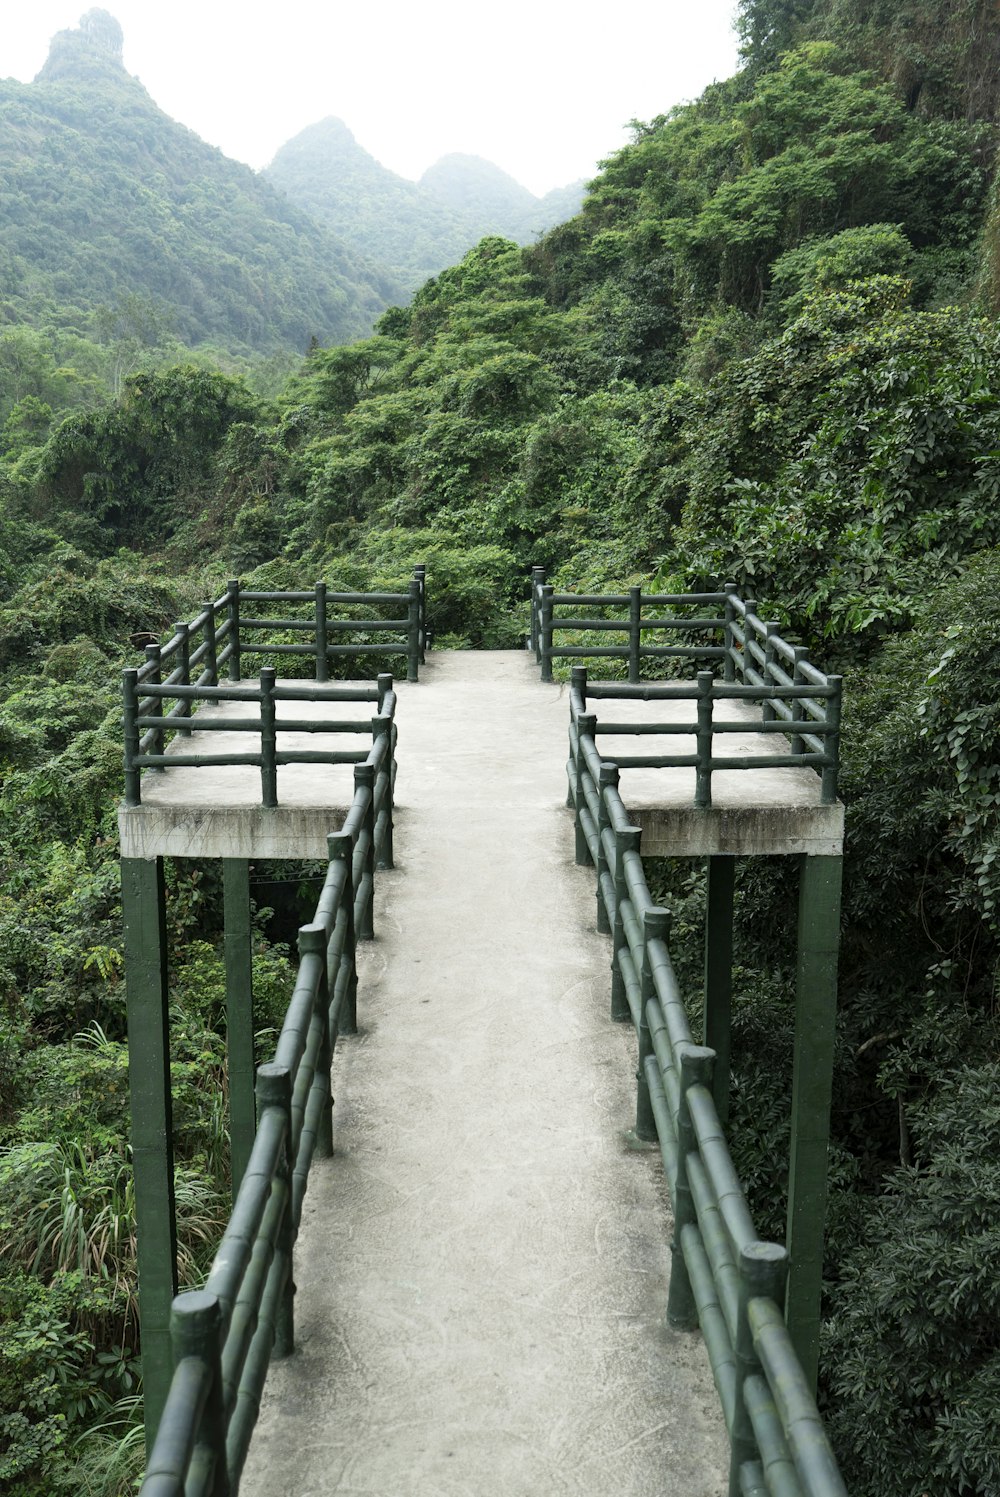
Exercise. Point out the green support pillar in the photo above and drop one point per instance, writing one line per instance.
(144, 911)
(812, 1085)
(719, 975)
(239, 1014)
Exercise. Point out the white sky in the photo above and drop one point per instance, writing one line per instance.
(544, 88)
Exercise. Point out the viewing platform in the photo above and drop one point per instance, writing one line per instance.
(480, 1271)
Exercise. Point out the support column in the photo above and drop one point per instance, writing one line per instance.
(144, 912)
(718, 1002)
(239, 1014)
(812, 1085)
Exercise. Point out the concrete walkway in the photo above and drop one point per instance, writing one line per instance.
(483, 1266)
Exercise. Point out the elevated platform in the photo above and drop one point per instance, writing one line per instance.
(216, 811)
(753, 811)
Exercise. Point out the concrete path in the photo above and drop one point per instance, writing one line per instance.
(483, 1266)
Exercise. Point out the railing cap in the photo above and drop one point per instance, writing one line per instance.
(195, 1323)
(312, 938)
(274, 1086)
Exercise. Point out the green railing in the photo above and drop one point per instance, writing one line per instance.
(186, 670)
(723, 1277)
(748, 661)
(223, 1336)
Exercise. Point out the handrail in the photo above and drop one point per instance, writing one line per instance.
(754, 664)
(723, 1277)
(186, 670)
(223, 1336)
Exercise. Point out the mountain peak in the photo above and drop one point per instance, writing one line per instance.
(470, 183)
(103, 33)
(99, 39)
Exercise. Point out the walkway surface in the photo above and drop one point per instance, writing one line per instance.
(482, 1267)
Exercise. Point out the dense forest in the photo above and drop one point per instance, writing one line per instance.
(767, 350)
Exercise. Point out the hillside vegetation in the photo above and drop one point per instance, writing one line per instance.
(766, 351)
(413, 228)
(104, 198)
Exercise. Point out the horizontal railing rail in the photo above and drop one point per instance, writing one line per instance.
(202, 662)
(723, 1277)
(223, 1336)
(747, 661)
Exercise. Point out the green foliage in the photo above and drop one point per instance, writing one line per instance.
(129, 469)
(912, 1344)
(850, 464)
(832, 264)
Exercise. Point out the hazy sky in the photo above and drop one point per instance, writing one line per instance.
(544, 88)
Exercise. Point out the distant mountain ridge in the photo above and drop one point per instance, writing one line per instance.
(104, 195)
(106, 201)
(415, 229)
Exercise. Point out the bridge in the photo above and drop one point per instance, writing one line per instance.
(486, 1285)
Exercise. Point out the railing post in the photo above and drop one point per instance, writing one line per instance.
(196, 1331)
(537, 581)
(274, 1089)
(130, 696)
(762, 1269)
(364, 778)
(831, 740)
(719, 974)
(413, 633)
(748, 664)
(152, 653)
(729, 664)
(233, 611)
(322, 659)
(340, 846)
(420, 575)
(626, 840)
(184, 707)
(703, 771)
(151, 1109)
(268, 738)
(238, 961)
(812, 1089)
(385, 684)
(586, 727)
(545, 629)
(577, 683)
(211, 648)
(768, 713)
(608, 781)
(797, 746)
(634, 633)
(312, 940)
(695, 1067)
(655, 926)
(382, 728)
